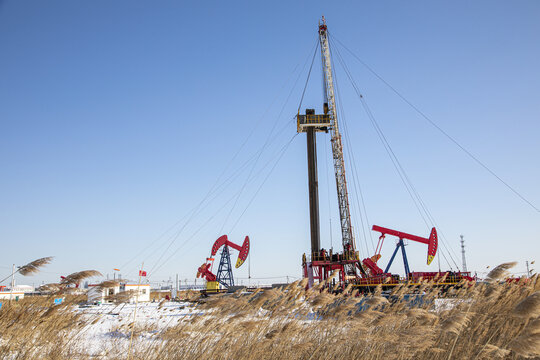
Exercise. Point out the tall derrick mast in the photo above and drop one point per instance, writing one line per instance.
(337, 148)
(340, 269)
(323, 263)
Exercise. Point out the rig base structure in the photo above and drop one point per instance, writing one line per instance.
(323, 264)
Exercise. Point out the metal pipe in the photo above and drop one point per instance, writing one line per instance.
(313, 191)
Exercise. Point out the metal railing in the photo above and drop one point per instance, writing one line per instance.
(334, 257)
(318, 121)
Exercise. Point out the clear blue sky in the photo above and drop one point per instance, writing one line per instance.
(117, 118)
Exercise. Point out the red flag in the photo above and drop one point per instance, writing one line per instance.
(142, 273)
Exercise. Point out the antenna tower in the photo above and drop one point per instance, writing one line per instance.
(463, 254)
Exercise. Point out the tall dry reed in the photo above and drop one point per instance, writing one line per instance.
(492, 320)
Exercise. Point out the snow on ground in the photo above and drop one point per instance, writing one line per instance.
(444, 304)
(108, 333)
(107, 328)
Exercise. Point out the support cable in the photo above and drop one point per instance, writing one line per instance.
(284, 150)
(280, 155)
(235, 195)
(442, 131)
(419, 204)
(309, 74)
(354, 173)
(214, 187)
(395, 162)
(356, 206)
(266, 143)
(258, 155)
(328, 191)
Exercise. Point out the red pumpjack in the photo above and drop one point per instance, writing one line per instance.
(205, 270)
(378, 275)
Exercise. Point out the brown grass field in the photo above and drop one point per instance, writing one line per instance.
(491, 320)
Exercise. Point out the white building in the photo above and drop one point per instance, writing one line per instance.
(23, 288)
(98, 295)
(143, 292)
(8, 295)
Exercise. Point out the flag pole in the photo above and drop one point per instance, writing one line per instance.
(135, 312)
(12, 283)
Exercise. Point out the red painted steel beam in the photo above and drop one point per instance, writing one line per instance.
(204, 272)
(431, 242)
(399, 234)
(243, 250)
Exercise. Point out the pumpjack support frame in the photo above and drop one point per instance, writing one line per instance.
(224, 274)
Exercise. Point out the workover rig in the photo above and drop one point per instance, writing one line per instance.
(320, 265)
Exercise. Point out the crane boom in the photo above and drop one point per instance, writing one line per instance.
(337, 148)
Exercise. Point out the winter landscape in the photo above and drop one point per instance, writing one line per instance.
(299, 180)
(492, 320)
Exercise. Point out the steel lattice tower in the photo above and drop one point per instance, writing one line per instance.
(349, 247)
(224, 274)
(463, 254)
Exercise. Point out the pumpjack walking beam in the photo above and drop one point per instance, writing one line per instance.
(431, 242)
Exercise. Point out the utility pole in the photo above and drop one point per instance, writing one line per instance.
(12, 282)
(528, 271)
(463, 254)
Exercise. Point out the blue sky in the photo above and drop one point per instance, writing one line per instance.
(118, 118)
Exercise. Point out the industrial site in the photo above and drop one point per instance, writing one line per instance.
(187, 199)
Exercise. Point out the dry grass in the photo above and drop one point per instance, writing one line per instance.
(121, 297)
(488, 321)
(34, 266)
(77, 277)
(108, 284)
(500, 271)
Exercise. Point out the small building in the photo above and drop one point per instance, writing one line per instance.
(143, 291)
(120, 293)
(100, 295)
(11, 295)
(24, 288)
